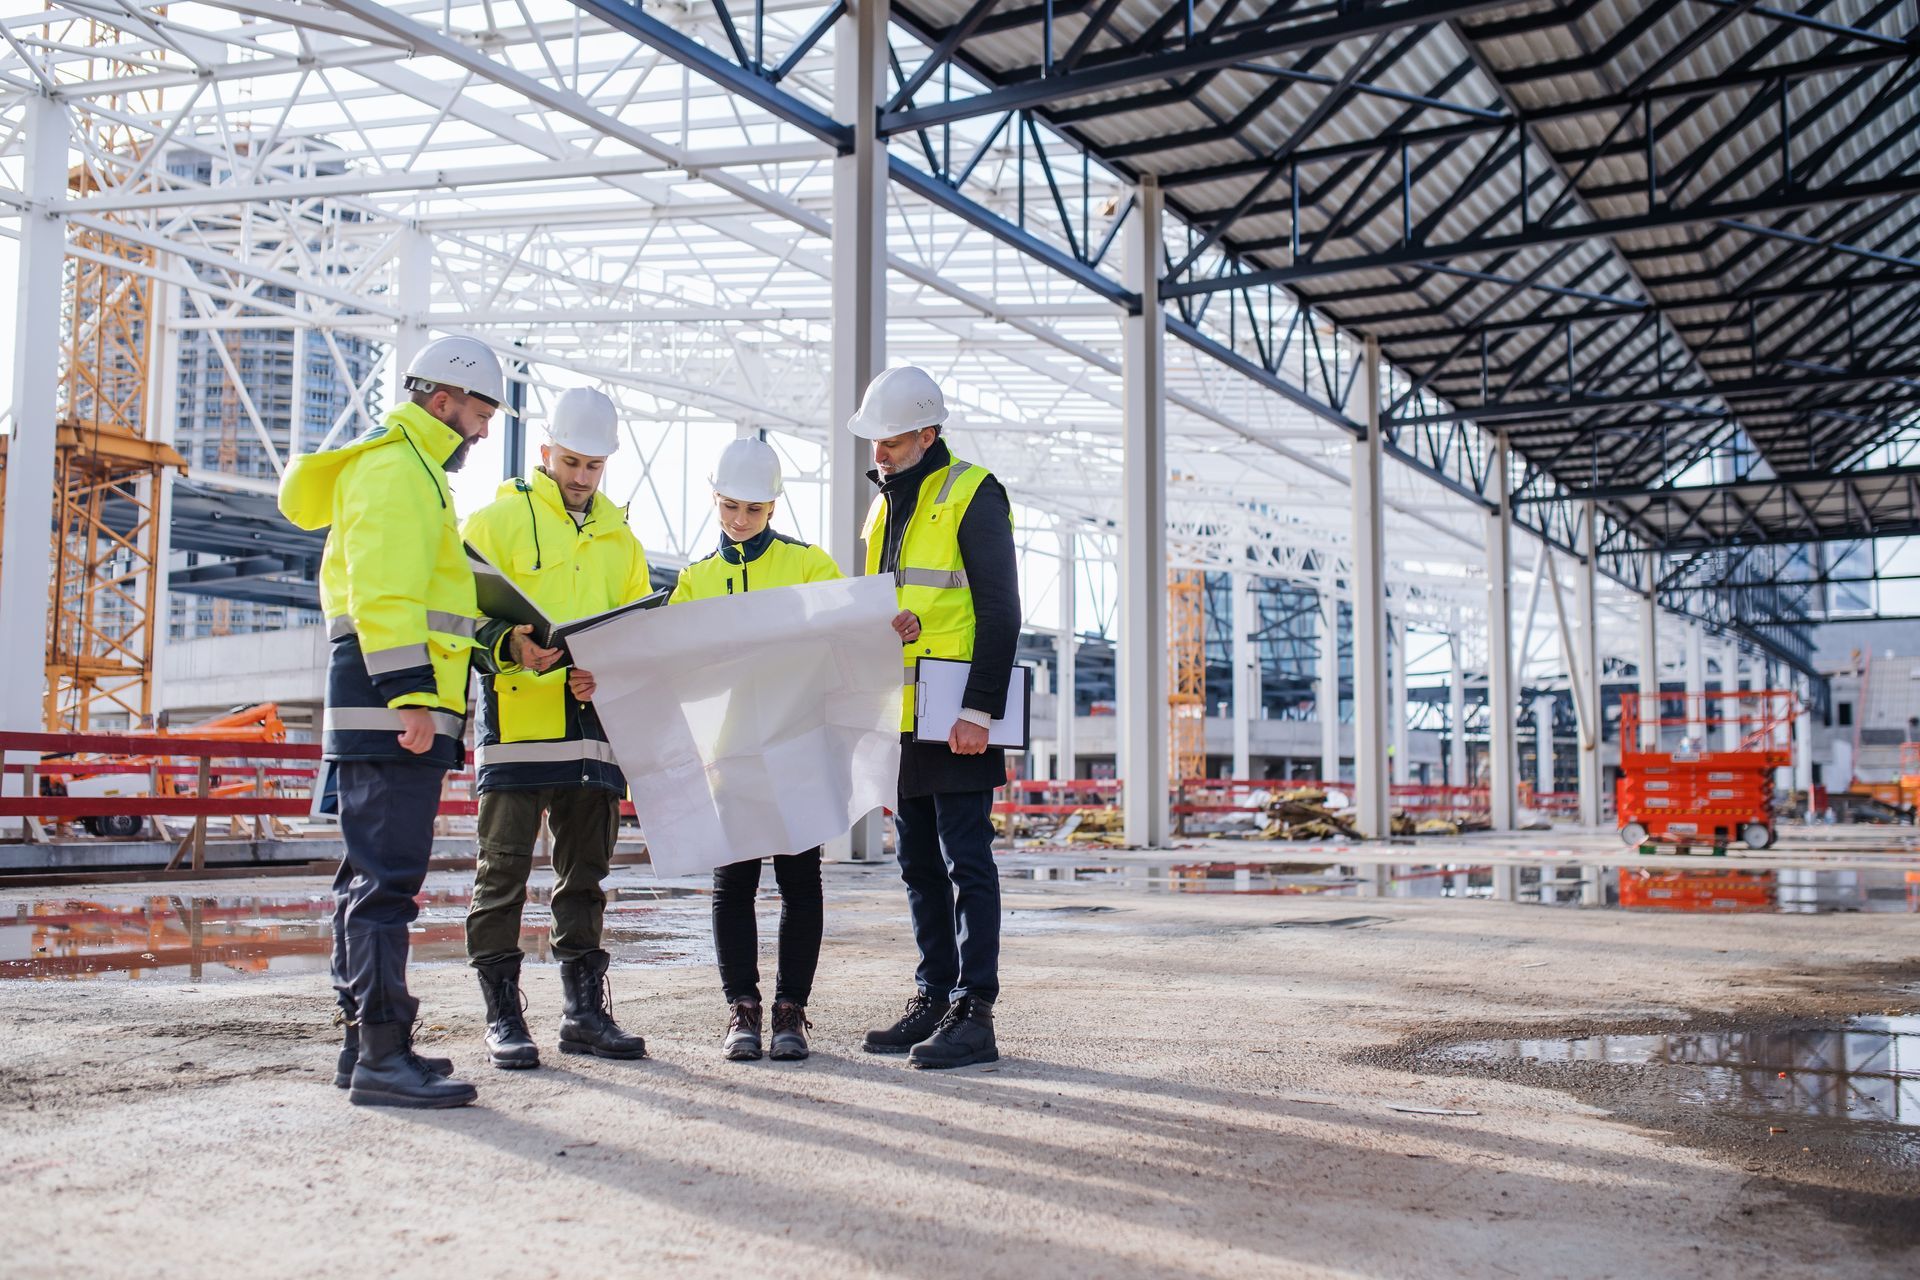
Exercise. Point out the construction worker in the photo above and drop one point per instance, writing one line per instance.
(751, 556)
(944, 529)
(399, 603)
(542, 750)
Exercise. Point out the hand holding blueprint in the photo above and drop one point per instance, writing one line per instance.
(755, 724)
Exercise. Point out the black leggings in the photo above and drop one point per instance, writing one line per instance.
(736, 939)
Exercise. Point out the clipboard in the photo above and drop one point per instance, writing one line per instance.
(501, 599)
(938, 688)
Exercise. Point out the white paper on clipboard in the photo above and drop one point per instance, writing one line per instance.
(942, 683)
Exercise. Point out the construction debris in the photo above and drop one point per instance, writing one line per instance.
(1302, 814)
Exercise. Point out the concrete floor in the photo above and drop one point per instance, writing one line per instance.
(1192, 1086)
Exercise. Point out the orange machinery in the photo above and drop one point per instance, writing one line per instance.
(153, 775)
(1698, 768)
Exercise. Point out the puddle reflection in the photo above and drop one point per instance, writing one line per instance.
(1865, 1071)
(1562, 882)
(197, 938)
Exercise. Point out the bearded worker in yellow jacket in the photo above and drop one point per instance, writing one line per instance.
(399, 603)
(543, 751)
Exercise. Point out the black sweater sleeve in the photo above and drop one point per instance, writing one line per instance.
(993, 575)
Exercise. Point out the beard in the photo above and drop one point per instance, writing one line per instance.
(459, 458)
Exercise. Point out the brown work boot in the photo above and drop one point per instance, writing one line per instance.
(743, 1032)
(789, 1031)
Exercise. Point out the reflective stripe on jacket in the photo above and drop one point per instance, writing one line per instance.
(533, 732)
(394, 585)
(767, 559)
(931, 579)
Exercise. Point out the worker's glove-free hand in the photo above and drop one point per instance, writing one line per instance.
(907, 626)
(581, 683)
(967, 738)
(528, 654)
(416, 729)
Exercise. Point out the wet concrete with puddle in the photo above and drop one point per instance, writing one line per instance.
(201, 937)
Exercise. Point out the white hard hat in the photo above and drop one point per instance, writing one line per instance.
(585, 421)
(749, 471)
(898, 401)
(465, 364)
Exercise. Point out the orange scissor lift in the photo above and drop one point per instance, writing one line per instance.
(1698, 768)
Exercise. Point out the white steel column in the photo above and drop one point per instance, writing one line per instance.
(26, 583)
(1397, 708)
(162, 414)
(1696, 674)
(1543, 706)
(1650, 659)
(1370, 776)
(1068, 643)
(413, 286)
(1803, 742)
(1246, 674)
(1143, 572)
(1729, 710)
(1326, 699)
(1502, 698)
(1456, 710)
(859, 298)
(1586, 670)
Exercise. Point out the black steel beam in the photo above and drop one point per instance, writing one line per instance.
(1096, 73)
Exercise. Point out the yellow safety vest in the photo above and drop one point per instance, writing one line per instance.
(394, 585)
(532, 733)
(766, 560)
(931, 580)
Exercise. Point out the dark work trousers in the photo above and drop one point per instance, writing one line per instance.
(585, 822)
(736, 935)
(387, 810)
(945, 846)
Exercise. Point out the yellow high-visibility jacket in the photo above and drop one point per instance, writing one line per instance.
(533, 731)
(932, 579)
(767, 559)
(394, 585)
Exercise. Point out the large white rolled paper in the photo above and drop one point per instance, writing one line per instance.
(751, 725)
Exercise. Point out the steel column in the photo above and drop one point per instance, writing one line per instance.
(1456, 710)
(27, 538)
(1650, 658)
(1143, 579)
(1245, 707)
(1065, 657)
(1370, 770)
(1543, 705)
(413, 287)
(1586, 620)
(1730, 682)
(1502, 759)
(1696, 672)
(1397, 707)
(859, 297)
(1326, 701)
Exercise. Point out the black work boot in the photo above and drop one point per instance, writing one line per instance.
(964, 1037)
(587, 1024)
(789, 1031)
(743, 1032)
(387, 1074)
(350, 1054)
(509, 1042)
(922, 1015)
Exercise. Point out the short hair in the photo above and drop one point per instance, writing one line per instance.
(423, 392)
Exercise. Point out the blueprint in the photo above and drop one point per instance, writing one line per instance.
(755, 724)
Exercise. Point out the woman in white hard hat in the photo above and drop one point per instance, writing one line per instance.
(751, 556)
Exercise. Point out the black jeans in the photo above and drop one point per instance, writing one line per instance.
(736, 935)
(945, 846)
(386, 820)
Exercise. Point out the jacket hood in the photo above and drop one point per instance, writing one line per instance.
(307, 488)
(604, 515)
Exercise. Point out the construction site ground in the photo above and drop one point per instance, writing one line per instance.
(1191, 1085)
